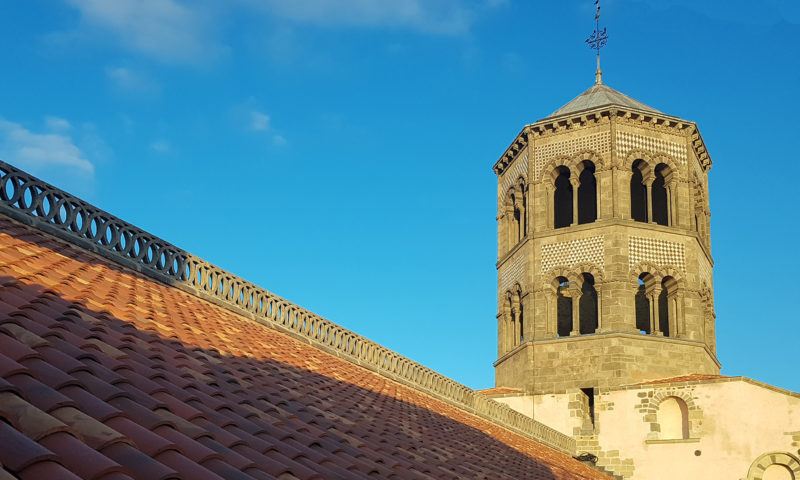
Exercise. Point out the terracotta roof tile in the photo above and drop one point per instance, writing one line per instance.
(119, 376)
(46, 469)
(19, 451)
(80, 458)
(683, 378)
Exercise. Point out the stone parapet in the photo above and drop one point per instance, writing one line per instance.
(31, 201)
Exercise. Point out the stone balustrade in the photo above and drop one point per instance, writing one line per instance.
(29, 200)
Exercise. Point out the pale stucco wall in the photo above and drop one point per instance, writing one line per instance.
(734, 421)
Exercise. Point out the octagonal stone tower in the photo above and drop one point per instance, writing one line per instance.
(604, 254)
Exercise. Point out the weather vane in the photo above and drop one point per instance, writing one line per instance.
(596, 41)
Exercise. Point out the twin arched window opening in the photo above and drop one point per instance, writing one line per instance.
(650, 193)
(576, 310)
(513, 321)
(516, 218)
(569, 205)
(656, 305)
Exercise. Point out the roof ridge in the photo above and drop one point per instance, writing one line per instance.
(38, 204)
(598, 96)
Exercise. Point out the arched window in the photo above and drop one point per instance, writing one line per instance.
(516, 229)
(660, 195)
(587, 194)
(776, 471)
(642, 303)
(638, 192)
(563, 308)
(521, 321)
(673, 419)
(588, 305)
(521, 210)
(562, 199)
(666, 306)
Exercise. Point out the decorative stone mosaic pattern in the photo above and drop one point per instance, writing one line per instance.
(599, 142)
(630, 141)
(512, 271)
(573, 252)
(660, 252)
(520, 168)
(705, 273)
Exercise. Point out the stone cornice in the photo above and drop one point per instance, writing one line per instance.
(511, 153)
(649, 120)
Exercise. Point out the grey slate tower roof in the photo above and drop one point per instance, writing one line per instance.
(599, 96)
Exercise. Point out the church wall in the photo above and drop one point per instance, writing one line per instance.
(732, 422)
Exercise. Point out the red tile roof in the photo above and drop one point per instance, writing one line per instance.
(107, 373)
(499, 390)
(684, 378)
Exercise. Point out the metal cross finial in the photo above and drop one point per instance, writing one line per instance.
(596, 41)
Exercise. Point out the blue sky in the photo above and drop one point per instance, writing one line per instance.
(339, 153)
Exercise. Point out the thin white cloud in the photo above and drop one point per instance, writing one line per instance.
(259, 121)
(161, 146)
(430, 16)
(163, 29)
(31, 150)
(57, 124)
(130, 80)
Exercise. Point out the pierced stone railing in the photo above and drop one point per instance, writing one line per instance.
(29, 200)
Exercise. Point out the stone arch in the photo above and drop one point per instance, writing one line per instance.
(590, 155)
(673, 419)
(514, 217)
(592, 268)
(564, 289)
(588, 305)
(587, 201)
(645, 286)
(671, 271)
(549, 171)
(644, 267)
(552, 275)
(675, 172)
(709, 327)
(647, 159)
(759, 467)
(694, 414)
(518, 313)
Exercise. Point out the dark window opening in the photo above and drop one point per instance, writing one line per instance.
(659, 195)
(562, 199)
(588, 305)
(638, 194)
(587, 194)
(642, 308)
(663, 312)
(521, 325)
(589, 392)
(564, 309)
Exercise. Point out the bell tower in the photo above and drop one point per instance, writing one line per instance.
(604, 254)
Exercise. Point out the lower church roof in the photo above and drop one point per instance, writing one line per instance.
(108, 373)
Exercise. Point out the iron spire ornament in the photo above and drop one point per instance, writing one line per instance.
(596, 41)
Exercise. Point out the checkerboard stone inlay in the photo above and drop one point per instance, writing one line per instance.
(573, 252)
(599, 142)
(659, 252)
